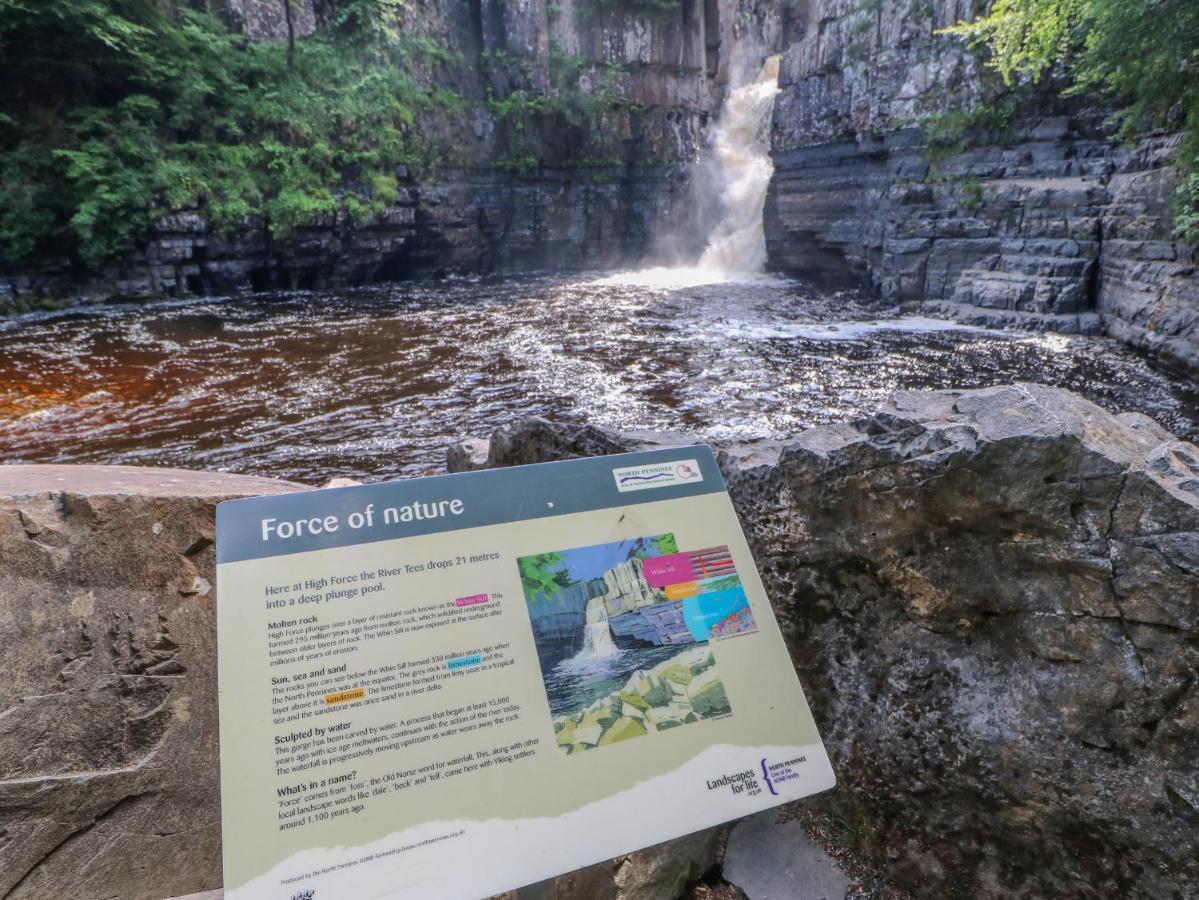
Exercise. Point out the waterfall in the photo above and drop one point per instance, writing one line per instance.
(740, 153)
(597, 638)
(735, 171)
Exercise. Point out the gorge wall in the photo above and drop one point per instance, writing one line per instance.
(523, 179)
(902, 165)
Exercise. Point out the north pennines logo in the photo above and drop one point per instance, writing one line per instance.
(655, 475)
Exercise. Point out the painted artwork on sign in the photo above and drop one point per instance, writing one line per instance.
(622, 632)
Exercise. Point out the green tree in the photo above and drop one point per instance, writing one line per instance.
(115, 112)
(541, 577)
(1142, 53)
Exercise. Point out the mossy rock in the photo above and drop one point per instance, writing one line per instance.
(708, 697)
(589, 734)
(566, 731)
(669, 716)
(677, 673)
(603, 717)
(634, 700)
(623, 729)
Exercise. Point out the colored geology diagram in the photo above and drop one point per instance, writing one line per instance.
(624, 635)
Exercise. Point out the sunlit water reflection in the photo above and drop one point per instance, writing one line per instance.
(375, 382)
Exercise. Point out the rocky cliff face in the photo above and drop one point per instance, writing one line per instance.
(1023, 210)
(991, 598)
(558, 626)
(513, 188)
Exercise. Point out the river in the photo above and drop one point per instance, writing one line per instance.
(374, 383)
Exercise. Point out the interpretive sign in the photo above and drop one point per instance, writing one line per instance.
(453, 686)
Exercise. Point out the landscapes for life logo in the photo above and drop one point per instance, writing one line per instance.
(748, 782)
(655, 475)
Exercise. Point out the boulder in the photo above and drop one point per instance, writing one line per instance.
(992, 600)
(661, 872)
(109, 774)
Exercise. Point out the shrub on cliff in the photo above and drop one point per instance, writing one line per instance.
(114, 112)
(1144, 52)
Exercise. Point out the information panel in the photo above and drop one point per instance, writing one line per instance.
(453, 686)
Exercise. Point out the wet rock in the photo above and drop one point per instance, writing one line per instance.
(108, 723)
(770, 857)
(992, 599)
(467, 455)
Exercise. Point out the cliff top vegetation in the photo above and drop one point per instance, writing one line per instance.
(1143, 53)
(115, 112)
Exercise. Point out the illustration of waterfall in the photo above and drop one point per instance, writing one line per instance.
(597, 636)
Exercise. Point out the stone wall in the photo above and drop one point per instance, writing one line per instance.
(471, 220)
(1036, 217)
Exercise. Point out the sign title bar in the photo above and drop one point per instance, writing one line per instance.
(282, 524)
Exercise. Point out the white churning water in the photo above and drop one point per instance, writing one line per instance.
(737, 167)
(741, 147)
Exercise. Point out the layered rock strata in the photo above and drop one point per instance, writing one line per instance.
(900, 165)
(509, 191)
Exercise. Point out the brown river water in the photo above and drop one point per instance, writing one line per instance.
(375, 382)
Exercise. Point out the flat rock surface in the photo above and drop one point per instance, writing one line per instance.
(20, 480)
(772, 858)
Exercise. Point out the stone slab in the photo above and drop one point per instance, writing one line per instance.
(24, 480)
(772, 858)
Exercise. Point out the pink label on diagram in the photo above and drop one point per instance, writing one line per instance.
(471, 600)
(660, 571)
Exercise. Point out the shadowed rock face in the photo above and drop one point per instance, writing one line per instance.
(109, 773)
(992, 600)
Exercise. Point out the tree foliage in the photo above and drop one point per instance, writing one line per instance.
(116, 112)
(1144, 53)
(542, 575)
